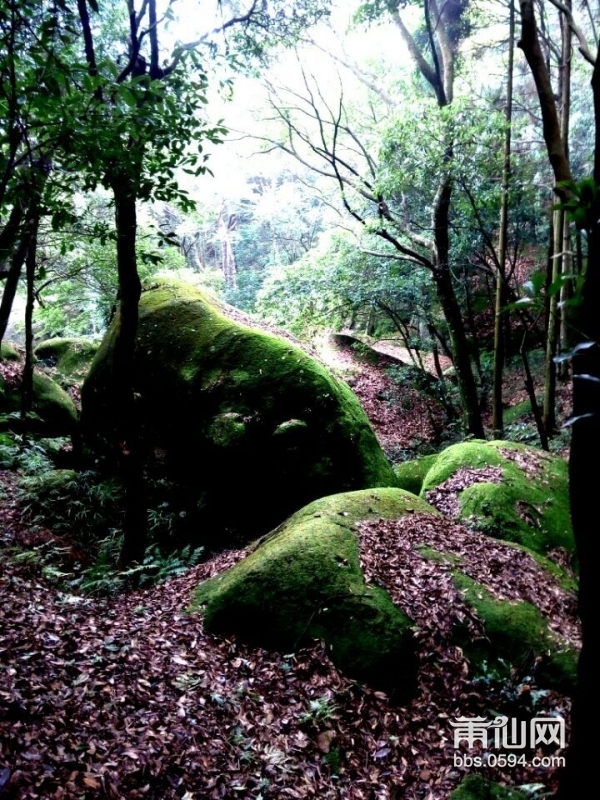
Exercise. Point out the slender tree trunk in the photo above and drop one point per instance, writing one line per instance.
(22, 222)
(560, 238)
(567, 260)
(530, 386)
(553, 327)
(27, 380)
(12, 280)
(445, 291)
(442, 26)
(501, 293)
(127, 429)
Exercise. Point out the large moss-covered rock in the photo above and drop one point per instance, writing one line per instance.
(303, 581)
(56, 412)
(509, 491)
(70, 358)
(244, 424)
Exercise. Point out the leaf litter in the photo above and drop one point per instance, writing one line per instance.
(129, 697)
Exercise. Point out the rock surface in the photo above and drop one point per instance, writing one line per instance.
(244, 426)
(507, 490)
(56, 412)
(303, 581)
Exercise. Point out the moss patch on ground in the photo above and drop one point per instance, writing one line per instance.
(516, 636)
(303, 581)
(411, 474)
(248, 426)
(530, 505)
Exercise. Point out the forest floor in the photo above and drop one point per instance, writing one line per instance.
(128, 696)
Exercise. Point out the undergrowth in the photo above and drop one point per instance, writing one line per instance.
(79, 519)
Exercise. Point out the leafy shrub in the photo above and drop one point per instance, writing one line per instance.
(103, 576)
(79, 505)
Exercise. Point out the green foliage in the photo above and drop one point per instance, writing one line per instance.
(78, 284)
(80, 508)
(29, 455)
(336, 284)
(320, 710)
(581, 201)
(476, 787)
(79, 505)
(104, 577)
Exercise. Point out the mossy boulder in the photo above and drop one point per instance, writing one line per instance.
(411, 474)
(55, 411)
(303, 581)
(246, 425)
(517, 636)
(476, 787)
(9, 352)
(70, 358)
(509, 491)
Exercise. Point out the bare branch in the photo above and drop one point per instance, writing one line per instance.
(576, 30)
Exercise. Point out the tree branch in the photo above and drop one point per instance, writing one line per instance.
(576, 30)
(530, 45)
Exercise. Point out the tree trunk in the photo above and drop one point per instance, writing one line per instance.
(566, 260)
(127, 438)
(553, 327)
(445, 291)
(27, 380)
(501, 293)
(580, 771)
(12, 280)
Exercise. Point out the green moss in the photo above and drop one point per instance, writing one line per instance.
(303, 582)
(199, 377)
(433, 555)
(9, 352)
(517, 411)
(565, 578)
(347, 508)
(54, 406)
(291, 428)
(476, 787)
(473, 454)
(411, 474)
(70, 357)
(227, 429)
(56, 412)
(515, 634)
(530, 509)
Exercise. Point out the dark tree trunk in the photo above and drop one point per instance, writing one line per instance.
(500, 301)
(580, 772)
(447, 296)
(12, 281)
(27, 382)
(127, 436)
